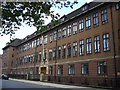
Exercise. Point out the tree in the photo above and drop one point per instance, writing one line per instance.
(14, 14)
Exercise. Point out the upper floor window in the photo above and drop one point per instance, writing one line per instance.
(64, 32)
(117, 6)
(75, 49)
(97, 44)
(41, 41)
(88, 22)
(89, 45)
(106, 42)
(102, 67)
(59, 33)
(81, 25)
(60, 69)
(85, 68)
(50, 54)
(44, 55)
(104, 16)
(85, 8)
(82, 47)
(75, 28)
(40, 56)
(71, 69)
(69, 50)
(38, 40)
(59, 52)
(95, 19)
(51, 37)
(54, 54)
(55, 35)
(69, 30)
(45, 39)
(63, 51)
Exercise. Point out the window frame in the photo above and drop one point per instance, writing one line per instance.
(81, 45)
(101, 67)
(97, 45)
(81, 25)
(107, 42)
(84, 66)
(88, 22)
(89, 45)
(104, 16)
(96, 19)
(69, 69)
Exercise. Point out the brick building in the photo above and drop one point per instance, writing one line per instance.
(83, 48)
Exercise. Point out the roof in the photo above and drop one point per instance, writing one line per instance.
(14, 43)
(52, 25)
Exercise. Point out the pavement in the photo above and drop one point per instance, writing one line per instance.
(54, 85)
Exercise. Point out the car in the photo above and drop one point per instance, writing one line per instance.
(5, 76)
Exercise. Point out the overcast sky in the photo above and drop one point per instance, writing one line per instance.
(26, 30)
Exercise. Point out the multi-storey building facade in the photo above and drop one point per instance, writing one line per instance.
(83, 48)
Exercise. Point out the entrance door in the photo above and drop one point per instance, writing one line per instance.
(43, 70)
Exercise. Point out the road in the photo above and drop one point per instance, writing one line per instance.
(16, 85)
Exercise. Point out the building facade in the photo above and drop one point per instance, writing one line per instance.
(84, 48)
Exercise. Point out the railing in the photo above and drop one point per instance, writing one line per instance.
(86, 81)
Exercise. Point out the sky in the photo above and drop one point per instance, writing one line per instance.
(26, 30)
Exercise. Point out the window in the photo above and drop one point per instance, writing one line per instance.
(38, 40)
(75, 49)
(85, 8)
(41, 40)
(63, 51)
(88, 24)
(74, 28)
(55, 35)
(102, 67)
(51, 70)
(64, 32)
(69, 30)
(50, 54)
(44, 55)
(69, 50)
(82, 47)
(97, 44)
(60, 69)
(81, 25)
(59, 33)
(85, 68)
(106, 42)
(71, 69)
(45, 39)
(104, 16)
(54, 54)
(50, 37)
(59, 52)
(117, 6)
(89, 45)
(40, 56)
(95, 19)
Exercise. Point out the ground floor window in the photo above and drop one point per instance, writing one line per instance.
(60, 69)
(51, 70)
(71, 69)
(102, 67)
(85, 68)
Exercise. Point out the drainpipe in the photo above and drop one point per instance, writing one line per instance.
(56, 53)
(114, 51)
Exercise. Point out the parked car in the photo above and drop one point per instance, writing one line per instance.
(5, 76)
